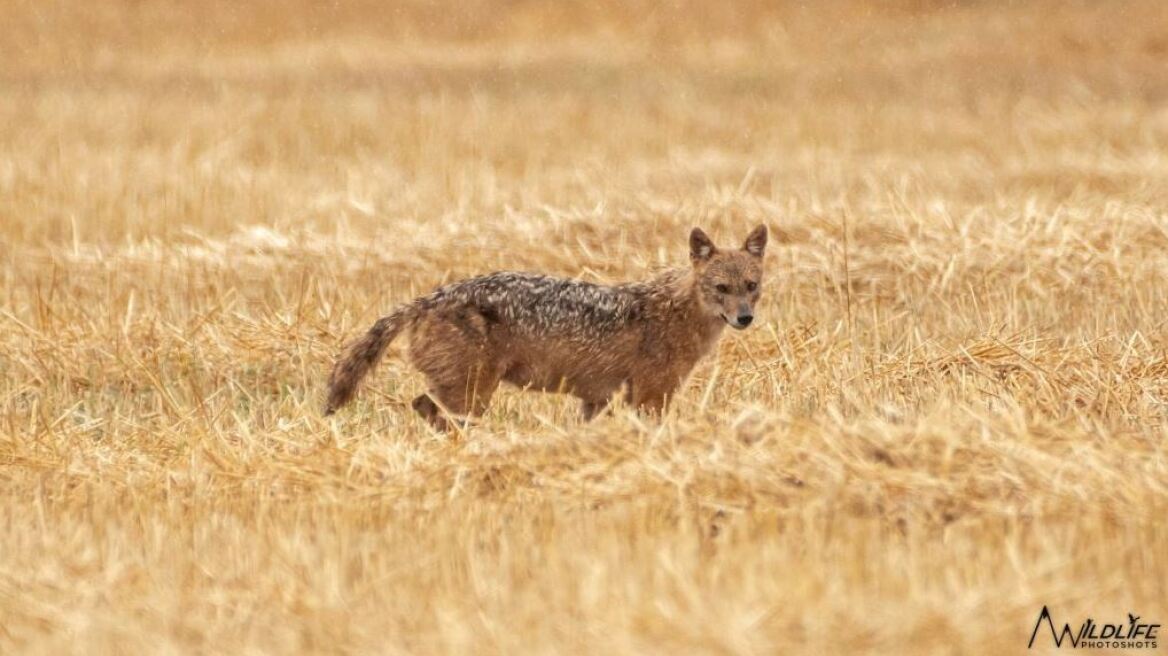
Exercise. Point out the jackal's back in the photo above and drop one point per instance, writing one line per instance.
(543, 306)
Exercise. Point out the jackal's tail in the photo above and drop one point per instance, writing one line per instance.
(362, 355)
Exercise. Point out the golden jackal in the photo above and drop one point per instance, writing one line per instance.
(560, 335)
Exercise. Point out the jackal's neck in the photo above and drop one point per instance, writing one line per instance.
(678, 290)
(674, 286)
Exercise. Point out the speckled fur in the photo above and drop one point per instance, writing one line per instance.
(559, 335)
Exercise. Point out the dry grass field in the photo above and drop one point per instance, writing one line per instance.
(951, 411)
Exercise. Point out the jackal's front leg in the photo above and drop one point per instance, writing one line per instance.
(653, 404)
(651, 396)
(589, 409)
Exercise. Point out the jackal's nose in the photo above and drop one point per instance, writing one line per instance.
(745, 319)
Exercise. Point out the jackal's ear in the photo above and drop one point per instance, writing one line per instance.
(756, 241)
(700, 246)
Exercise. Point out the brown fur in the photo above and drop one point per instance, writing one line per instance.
(561, 335)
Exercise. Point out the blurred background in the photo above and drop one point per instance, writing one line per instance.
(412, 109)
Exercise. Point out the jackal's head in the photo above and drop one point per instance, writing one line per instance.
(728, 281)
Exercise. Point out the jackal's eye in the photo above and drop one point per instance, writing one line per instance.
(722, 289)
(751, 286)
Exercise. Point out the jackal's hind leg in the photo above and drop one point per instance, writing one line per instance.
(425, 406)
(429, 410)
(456, 398)
(459, 368)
